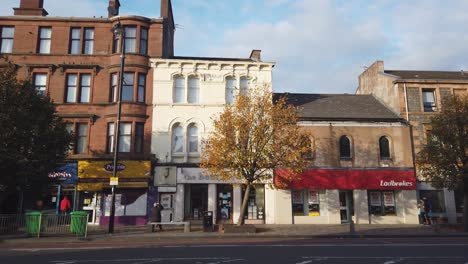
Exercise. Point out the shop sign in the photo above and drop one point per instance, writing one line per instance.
(349, 179)
(109, 167)
(114, 181)
(66, 173)
(196, 175)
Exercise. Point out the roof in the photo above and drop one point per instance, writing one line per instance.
(212, 58)
(339, 107)
(444, 75)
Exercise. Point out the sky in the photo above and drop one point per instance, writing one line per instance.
(317, 46)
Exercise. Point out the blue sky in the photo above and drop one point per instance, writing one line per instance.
(318, 46)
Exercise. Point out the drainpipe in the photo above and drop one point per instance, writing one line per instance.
(406, 102)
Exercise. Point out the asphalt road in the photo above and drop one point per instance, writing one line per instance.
(362, 251)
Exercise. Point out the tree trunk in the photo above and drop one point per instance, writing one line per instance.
(244, 204)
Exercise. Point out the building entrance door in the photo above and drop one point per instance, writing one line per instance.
(91, 202)
(346, 205)
(197, 195)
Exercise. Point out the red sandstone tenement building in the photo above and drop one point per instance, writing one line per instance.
(76, 62)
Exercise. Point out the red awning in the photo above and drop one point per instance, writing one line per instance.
(348, 179)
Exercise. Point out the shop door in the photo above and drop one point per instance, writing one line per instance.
(167, 202)
(224, 203)
(198, 198)
(346, 203)
(91, 202)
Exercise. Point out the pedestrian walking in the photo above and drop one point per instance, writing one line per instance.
(65, 205)
(428, 210)
(156, 215)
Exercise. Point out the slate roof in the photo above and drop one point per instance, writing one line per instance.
(339, 107)
(441, 75)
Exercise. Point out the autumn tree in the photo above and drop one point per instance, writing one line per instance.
(443, 159)
(251, 138)
(33, 139)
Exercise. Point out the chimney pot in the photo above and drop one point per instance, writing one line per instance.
(30, 8)
(113, 8)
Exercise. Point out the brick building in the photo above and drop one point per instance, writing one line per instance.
(76, 62)
(416, 96)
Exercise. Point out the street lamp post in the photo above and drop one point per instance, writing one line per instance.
(119, 31)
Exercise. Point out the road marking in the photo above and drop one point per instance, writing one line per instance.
(394, 261)
(305, 262)
(383, 257)
(148, 260)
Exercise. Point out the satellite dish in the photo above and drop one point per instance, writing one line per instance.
(113, 11)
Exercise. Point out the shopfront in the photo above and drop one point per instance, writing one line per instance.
(365, 196)
(65, 178)
(131, 193)
(197, 192)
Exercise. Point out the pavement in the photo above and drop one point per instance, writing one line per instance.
(137, 234)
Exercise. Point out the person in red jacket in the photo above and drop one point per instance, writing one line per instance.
(65, 205)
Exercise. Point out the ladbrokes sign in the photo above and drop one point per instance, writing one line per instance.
(349, 179)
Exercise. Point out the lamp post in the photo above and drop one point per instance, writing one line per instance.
(118, 30)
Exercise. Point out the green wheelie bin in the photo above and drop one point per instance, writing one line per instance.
(79, 222)
(33, 221)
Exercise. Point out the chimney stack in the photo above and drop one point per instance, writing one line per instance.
(30, 8)
(255, 55)
(113, 8)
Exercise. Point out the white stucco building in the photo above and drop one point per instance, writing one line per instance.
(188, 93)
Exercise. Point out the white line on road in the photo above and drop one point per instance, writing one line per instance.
(146, 260)
(305, 262)
(382, 257)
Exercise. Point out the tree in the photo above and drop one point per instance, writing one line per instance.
(33, 139)
(443, 159)
(251, 138)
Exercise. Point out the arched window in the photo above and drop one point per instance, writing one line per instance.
(179, 89)
(230, 87)
(244, 86)
(384, 147)
(193, 90)
(177, 139)
(192, 132)
(345, 147)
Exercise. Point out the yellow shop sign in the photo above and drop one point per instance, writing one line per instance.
(104, 169)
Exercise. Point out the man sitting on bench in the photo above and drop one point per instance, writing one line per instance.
(156, 215)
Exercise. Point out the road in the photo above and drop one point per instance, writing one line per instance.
(362, 251)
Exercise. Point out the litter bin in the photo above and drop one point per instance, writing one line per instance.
(208, 221)
(33, 221)
(79, 222)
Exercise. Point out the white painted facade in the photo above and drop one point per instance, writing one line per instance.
(175, 110)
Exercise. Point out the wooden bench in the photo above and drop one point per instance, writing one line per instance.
(185, 224)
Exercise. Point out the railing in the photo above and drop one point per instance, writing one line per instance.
(38, 224)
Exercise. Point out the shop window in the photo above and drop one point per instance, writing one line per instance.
(429, 103)
(459, 200)
(384, 148)
(382, 203)
(345, 148)
(435, 198)
(306, 202)
(256, 202)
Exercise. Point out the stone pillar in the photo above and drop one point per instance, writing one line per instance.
(236, 202)
(212, 200)
(179, 203)
(450, 206)
(270, 205)
(408, 200)
(361, 208)
(333, 202)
